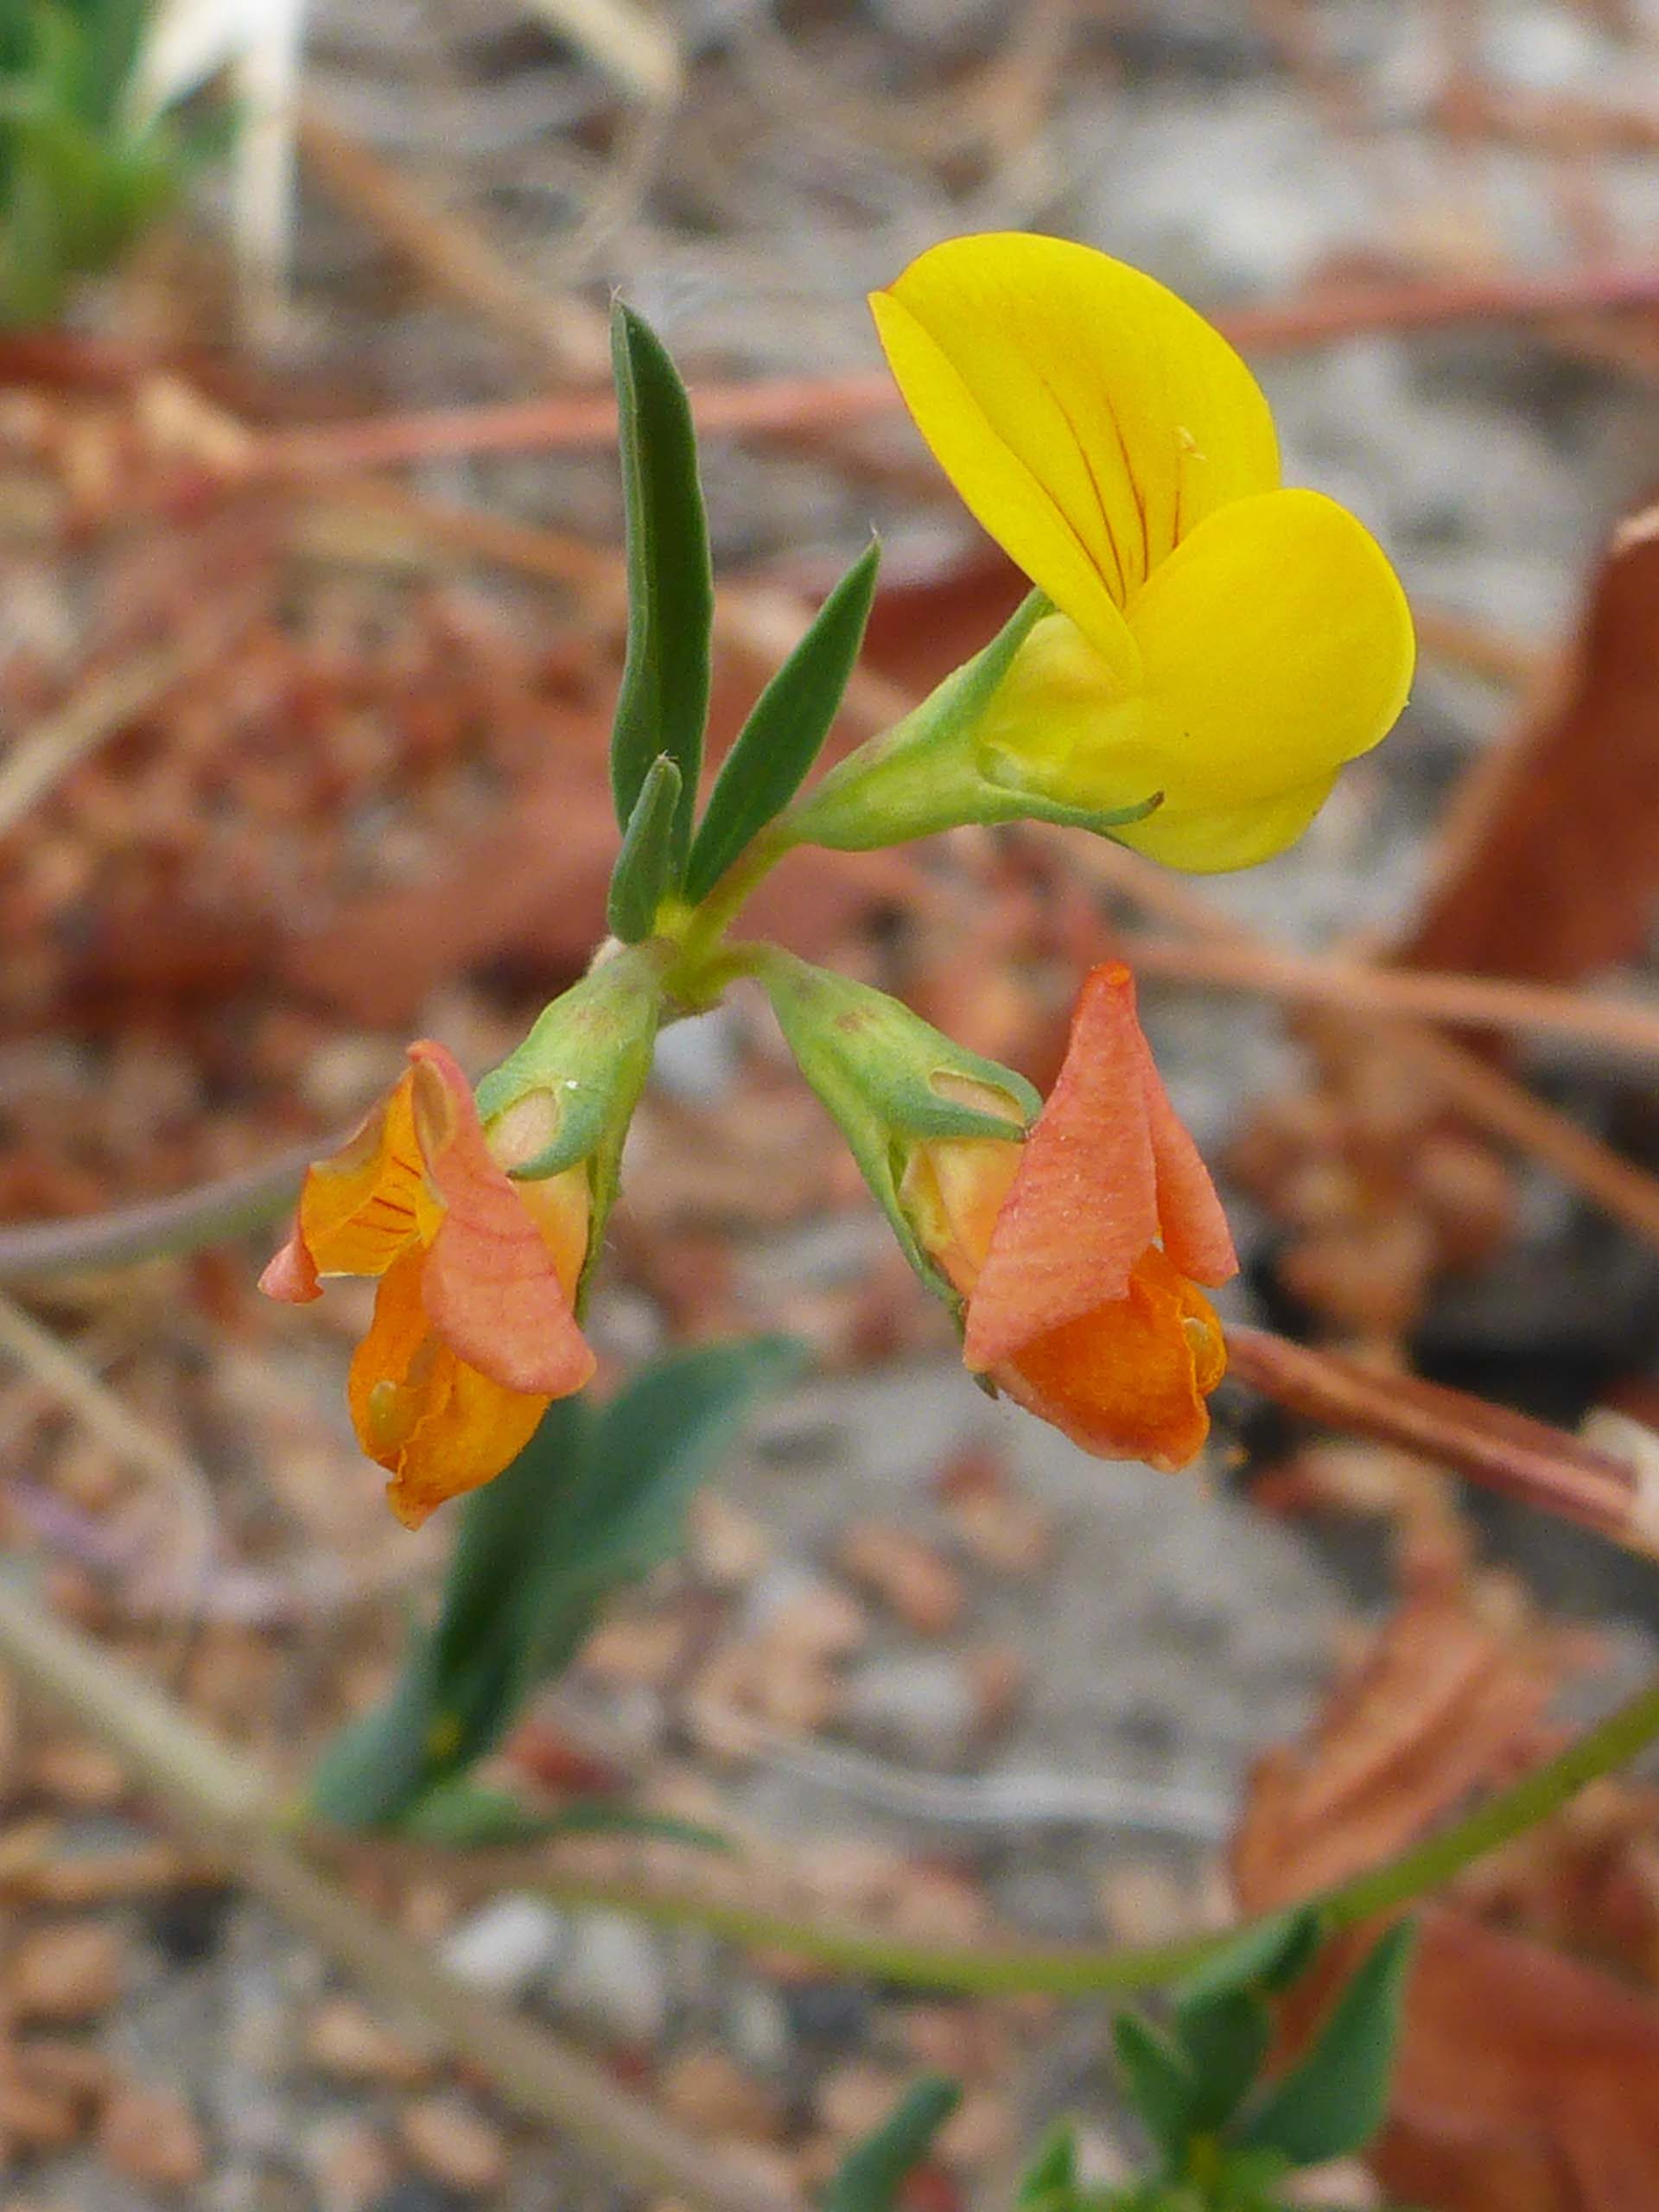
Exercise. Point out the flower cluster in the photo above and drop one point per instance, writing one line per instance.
(1202, 651)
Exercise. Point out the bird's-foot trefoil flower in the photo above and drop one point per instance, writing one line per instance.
(1204, 650)
(474, 1330)
(1079, 1252)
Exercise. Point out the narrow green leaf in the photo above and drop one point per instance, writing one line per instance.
(467, 1815)
(1049, 2184)
(644, 873)
(663, 703)
(1267, 1957)
(872, 2174)
(785, 730)
(1160, 2084)
(1225, 2040)
(653, 1445)
(1334, 2099)
(370, 1770)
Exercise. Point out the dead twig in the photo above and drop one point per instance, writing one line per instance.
(450, 253)
(1462, 1001)
(1506, 1451)
(225, 1806)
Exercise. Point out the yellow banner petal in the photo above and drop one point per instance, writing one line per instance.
(1089, 417)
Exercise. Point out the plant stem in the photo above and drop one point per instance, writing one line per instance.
(223, 1804)
(986, 1970)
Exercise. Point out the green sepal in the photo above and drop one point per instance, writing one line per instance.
(924, 774)
(785, 730)
(1335, 2098)
(586, 1059)
(644, 873)
(663, 702)
(871, 2176)
(875, 1066)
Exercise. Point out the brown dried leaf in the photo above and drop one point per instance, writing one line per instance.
(1551, 869)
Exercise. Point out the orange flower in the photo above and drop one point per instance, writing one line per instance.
(1078, 1252)
(474, 1331)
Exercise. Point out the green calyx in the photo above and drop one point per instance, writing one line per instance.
(890, 1080)
(565, 1097)
(926, 774)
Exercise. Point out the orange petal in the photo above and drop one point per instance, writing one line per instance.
(490, 1287)
(291, 1273)
(1084, 1203)
(436, 1425)
(1129, 1381)
(364, 1208)
(1191, 1223)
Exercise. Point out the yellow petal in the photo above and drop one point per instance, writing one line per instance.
(1207, 841)
(1275, 643)
(1089, 417)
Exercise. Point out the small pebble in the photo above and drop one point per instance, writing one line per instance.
(70, 1970)
(906, 1574)
(150, 2136)
(505, 1946)
(707, 2090)
(729, 1548)
(456, 2145)
(344, 2040)
(351, 2164)
(79, 1776)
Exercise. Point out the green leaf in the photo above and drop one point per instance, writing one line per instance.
(785, 730)
(1267, 1957)
(872, 2174)
(663, 703)
(1049, 2184)
(654, 1445)
(592, 1502)
(1160, 2085)
(644, 873)
(1225, 2040)
(467, 1815)
(1334, 2099)
(371, 1768)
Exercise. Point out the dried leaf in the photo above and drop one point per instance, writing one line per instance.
(1552, 869)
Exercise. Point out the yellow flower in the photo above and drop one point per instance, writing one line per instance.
(1216, 639)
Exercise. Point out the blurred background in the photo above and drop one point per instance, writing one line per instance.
(311, 610)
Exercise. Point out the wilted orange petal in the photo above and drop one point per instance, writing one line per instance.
(1085, 1204)
(490, 1286)
(1129, 1381)
(476, 1429)
(1191, 1223)
(438, 1425)
(365, 1207)
(291, 1275)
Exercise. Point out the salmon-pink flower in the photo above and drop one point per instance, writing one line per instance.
(1079, 1252)
(474, 1331)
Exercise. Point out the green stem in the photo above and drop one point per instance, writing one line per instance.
(1083, 1973)
(709, 922)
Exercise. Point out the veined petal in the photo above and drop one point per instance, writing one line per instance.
(360, 1210)
(1083, 1205)
(1275, 643)
(1129, 1381)
(490, 1285)
(1082, 411)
